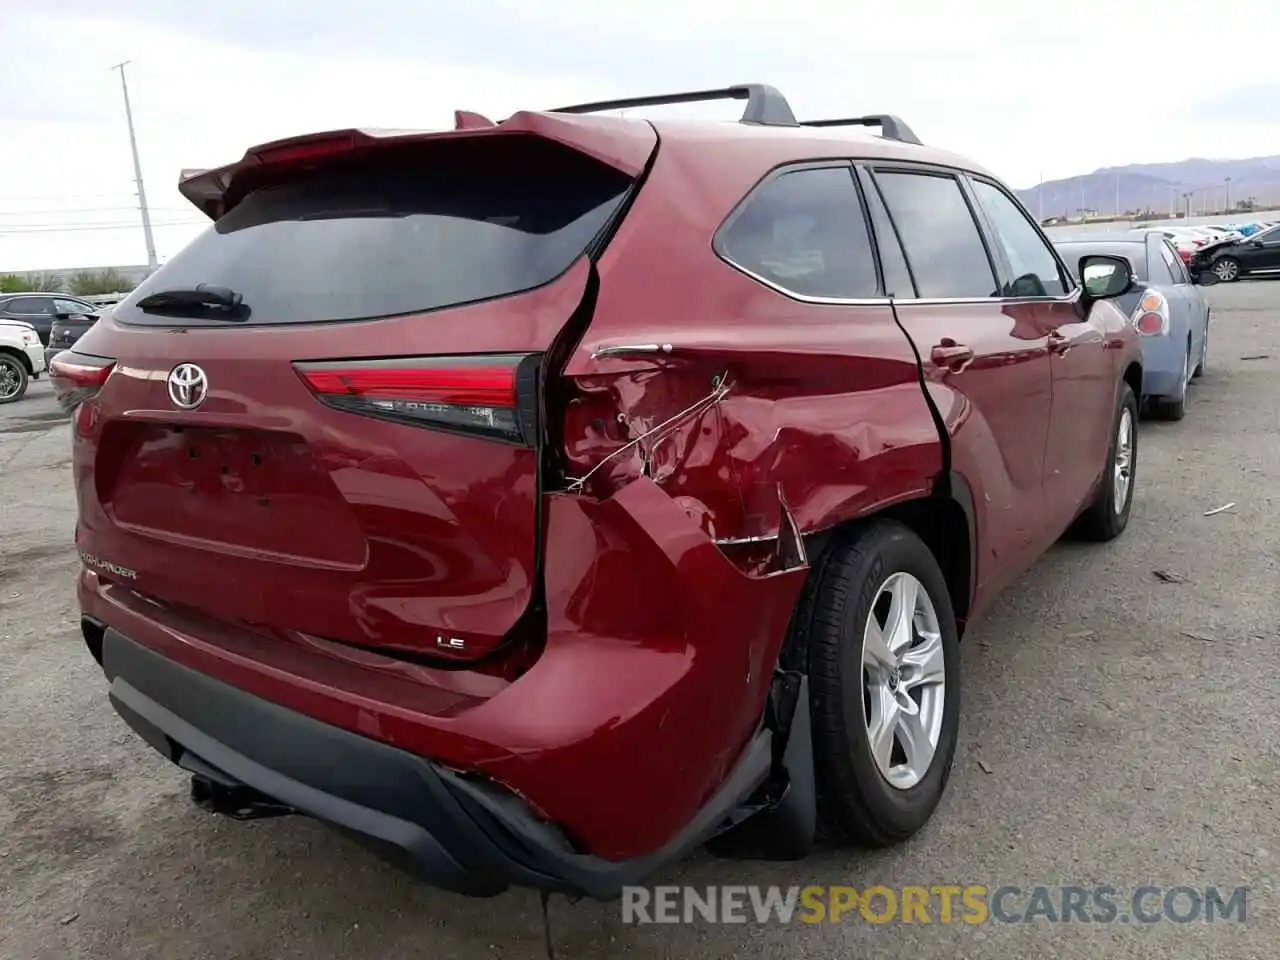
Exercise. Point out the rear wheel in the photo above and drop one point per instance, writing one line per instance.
(1108, 515)
(1227, 269)
(13, 378)
(880, 640)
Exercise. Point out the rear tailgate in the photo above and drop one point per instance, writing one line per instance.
(351, 452)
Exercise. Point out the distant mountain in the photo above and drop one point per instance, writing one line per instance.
(1161, 188)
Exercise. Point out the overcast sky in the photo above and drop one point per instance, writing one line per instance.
(1026, 87)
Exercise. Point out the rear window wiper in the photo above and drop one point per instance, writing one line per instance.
(199, 297)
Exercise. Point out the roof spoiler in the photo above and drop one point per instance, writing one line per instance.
(624, 146)
(765, 104)
(891, 127)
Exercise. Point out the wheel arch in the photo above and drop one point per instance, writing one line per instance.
(1133, 377)
(20, 356)
(943, 519)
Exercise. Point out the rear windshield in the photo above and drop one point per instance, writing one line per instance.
(436, 228)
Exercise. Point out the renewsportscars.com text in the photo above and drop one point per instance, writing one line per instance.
(938, 903)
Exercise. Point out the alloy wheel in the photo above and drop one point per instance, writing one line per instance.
(1226, 270)
(10, 378)
(904, 680)
(1122, 469)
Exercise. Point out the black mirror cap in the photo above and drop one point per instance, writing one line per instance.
(1113, 276)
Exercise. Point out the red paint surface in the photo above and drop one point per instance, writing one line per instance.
(657, 651)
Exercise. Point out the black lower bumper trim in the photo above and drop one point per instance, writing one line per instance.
(463, 834)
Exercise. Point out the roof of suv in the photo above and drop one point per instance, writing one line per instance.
(768, 131)
(796, 142)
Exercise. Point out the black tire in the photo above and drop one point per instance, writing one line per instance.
(856, 803)
(1105, 519)
(13, 372)
(1227, 269)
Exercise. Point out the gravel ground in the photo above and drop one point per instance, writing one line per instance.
(1118, 729)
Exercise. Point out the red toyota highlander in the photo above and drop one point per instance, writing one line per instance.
(539, 500)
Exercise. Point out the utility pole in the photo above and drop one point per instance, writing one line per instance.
(137, 171)
(1040, 198)
(1228, 194)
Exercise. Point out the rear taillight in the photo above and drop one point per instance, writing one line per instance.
(1151, 316)
(493, 396)
(77, 377)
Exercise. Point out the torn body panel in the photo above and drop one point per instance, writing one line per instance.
(824, 409)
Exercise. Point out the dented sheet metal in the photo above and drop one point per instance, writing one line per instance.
(741, 460)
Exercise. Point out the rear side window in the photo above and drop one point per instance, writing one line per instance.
(28, 306)
(1161, 271)
(897, 277)
(941, 238)
(1173, 262)
(804, 231)
(1035, 269)
(435, 227)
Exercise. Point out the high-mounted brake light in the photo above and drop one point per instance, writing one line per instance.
(1151, 316)
(493, 396)
(78, 377)
(308, 150)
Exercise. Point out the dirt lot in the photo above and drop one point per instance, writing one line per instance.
(1118, 730)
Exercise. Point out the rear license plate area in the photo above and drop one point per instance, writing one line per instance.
(257, 489)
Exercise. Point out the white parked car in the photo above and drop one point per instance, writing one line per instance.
(21, 358)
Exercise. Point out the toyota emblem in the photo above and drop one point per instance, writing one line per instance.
(188, 386)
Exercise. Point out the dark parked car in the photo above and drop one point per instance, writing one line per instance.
(536, 502)
(65, 331)
(1244, 257)
(42, 309)
(1166, 306)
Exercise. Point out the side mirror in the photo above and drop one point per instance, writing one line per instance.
(1105, 277)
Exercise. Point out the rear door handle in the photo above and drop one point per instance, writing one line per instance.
(950, 354)
(1058, 343)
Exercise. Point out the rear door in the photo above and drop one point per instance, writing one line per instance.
(986, 363)
(1038, 291)
(36, 311)
(342, 438)
(1261, 252)
(1190, 310)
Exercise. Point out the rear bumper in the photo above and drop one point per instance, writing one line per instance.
(463, 834)
(36, 355)
(625, 727)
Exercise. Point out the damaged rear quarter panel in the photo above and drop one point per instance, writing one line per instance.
(735, 406)
(824, 405)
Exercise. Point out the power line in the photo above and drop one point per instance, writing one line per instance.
(54, 212)
(67, 196)
(4, 231)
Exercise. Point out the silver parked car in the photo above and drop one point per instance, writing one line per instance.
(1168, 308)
